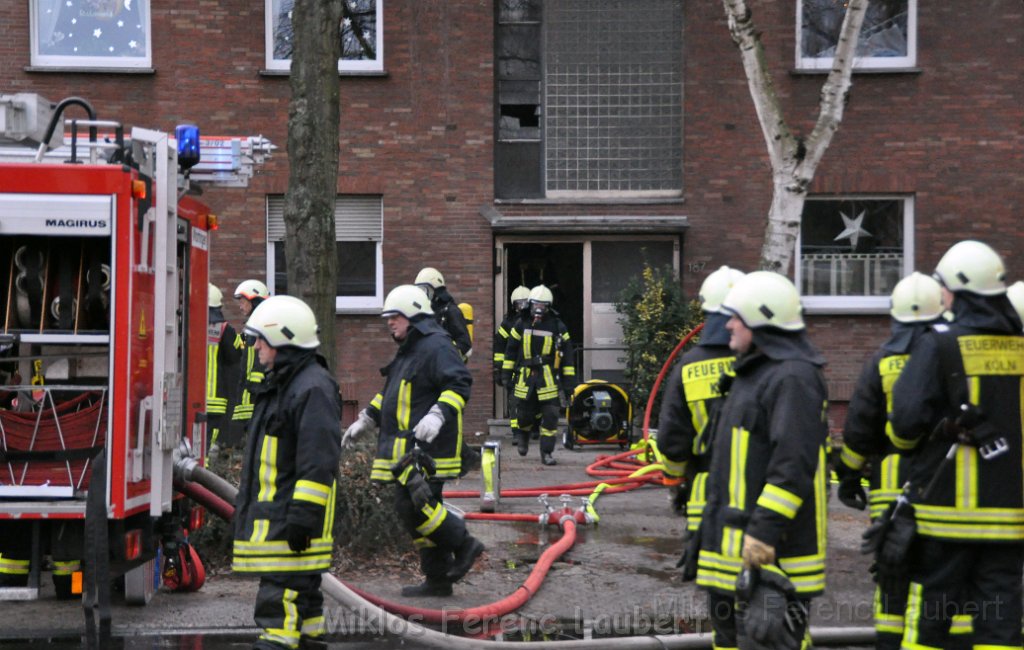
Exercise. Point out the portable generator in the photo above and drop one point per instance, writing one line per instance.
(598, 413)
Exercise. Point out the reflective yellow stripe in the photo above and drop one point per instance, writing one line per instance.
(260, 529)
(886, 622)
(377, 400)
(283, 564)
(673, 468)
(889, 369)
(991, 524)
(423, 542)
(966, 477)
(732, 541)
(452, 399)
(268, 469)
(737, 464)
(313, 626)
(66, 568)
(13, 567)
(992, 355)
(851, 459)
(698, 499)
(435, 516)
(404, 405)
(312, 492)
(821, 501)
(964, 624)
(317, 545)
(332, 504)
(779, 500)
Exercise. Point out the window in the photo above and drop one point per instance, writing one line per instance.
(589, 99)
(98, 34)
(853, 251)
(888, 37)
(358, 234)
(362, 35)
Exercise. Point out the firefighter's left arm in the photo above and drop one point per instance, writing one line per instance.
(675, 425)
(568, 353)
(457, 328)
(317, 452)
(797, 431)
(228, 353)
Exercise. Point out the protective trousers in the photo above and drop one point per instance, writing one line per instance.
(525, 412)
(288, 608)
(15, 551)
(435, 532)
(722, 612)
(951, 580)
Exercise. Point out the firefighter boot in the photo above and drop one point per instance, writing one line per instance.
(547, 447)
(428, 587)
(522, 442)
(465, 556)
(547, 459)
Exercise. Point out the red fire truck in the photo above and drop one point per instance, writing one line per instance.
(103, 321)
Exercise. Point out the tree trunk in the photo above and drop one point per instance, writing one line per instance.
(313, 122)
(794, 159)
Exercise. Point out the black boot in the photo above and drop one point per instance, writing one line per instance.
(428, 587)
(522, 442)
(465, 556)
(547, 459)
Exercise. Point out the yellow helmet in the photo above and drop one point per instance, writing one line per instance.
(214, 296)
(408, 300)
(540, 293)
(283, 321)
(715, 287)
(765, 299)
(916, 298)
(1015, 292)
(430, 275)
(251, 289)
(973, 267)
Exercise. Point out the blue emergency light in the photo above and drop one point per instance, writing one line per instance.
(188, 145)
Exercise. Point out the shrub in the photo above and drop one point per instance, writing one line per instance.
(654, 316)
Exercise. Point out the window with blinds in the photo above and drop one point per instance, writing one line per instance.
(358, 233)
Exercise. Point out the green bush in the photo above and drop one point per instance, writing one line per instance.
(654, 316)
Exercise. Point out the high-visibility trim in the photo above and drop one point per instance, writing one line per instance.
(821, 475)
(698, 500)
(718, 571)
(699, 420)
(282, 564)
(851, 459)
(452, 399)
(267, 548)
(987, 355)
(404, 406)
(436, 515)
(423, 542)
(673, 468)
(700, 378)
(377, 400)
(216, 405)
(66, 567)
(515, 334)
(964, 624)
(268, 469)
(260, 530)
(779, 500)
(739, 446)
(966, 477)
(332, 504)
(281, 637)
(314, 626)
(803, 564)
(988, 524)
(13, 567)
(499, 358)
(732, 541)
(548, 433)
(316, 493)
(886, 622)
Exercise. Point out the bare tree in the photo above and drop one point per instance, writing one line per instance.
(313, 151)
(794, 158)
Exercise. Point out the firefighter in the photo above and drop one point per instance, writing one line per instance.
(284, 511)
(520, 309)
(419, 415)
(868, 442)
(249, 294)
(222, 370)
(957, 412)
(763, 528)
(691, 400)
(541, 349)
(446, 310)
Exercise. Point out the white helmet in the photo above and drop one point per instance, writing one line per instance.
(520, 293)
(765, 299)
(430, 275)
(715, 287)
(1015, 292)
(408, 300)
(251, 289)
(282, 321)
(916, 298)
(974, 267)
(540, 293)
(214, 296)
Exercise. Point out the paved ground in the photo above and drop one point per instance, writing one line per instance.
(619, 578)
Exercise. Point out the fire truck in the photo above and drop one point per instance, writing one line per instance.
(104, 251)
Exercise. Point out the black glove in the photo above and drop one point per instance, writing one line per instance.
(688, 560)
(851, 491)
(498, 378)
(768, 614)
(299, 537)
(506, 378)
(680, 496)
(892, 555)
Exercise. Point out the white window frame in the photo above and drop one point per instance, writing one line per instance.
(873, 63)
(89, 62)
(817, 304)
(344, 66)
(342, 304)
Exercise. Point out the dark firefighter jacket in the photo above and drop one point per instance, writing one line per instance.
(222, 359)
(690, 401)
(450, 317)
(501, 335)
(768, 474)
(868, 434)
(426, 370)
(289, 469)
(976, 359)
(252, 374)
(544, 354)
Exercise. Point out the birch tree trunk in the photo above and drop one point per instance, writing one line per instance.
(313, 150)
(794, 158)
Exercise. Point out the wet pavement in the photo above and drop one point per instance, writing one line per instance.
(618, 579)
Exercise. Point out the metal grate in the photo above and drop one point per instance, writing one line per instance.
(850, 274)
(613, 83)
